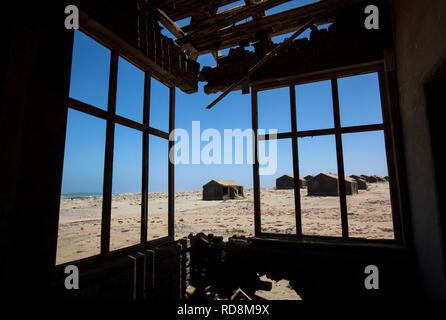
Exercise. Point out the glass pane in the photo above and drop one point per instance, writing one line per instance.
(126, 201)
(130, 91)
(159, 106)
(90, 70)
(314, 106)
(321, 214)
(81, 204)
(277, 187)
(359, 100)
(158, 188)
(274, 109)
(369, 212)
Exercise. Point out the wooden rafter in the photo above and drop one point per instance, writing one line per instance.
(180, 9)
(334, 5)
(178, 33)
(279, 23)
(230, 16)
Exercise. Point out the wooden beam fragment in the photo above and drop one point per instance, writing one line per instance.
(271, 54)
(178, 33)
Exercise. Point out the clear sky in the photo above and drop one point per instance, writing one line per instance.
(364, 153)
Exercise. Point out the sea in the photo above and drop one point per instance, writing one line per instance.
(81, 195)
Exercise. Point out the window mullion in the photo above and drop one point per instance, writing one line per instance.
(171, 167)
(108, 162)
(297, 204)
(145, 160)
(256, 178)
(340, 158)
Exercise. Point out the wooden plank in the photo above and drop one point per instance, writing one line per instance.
(230, 16)
(340, 158)
(271, 54)
(279, 23)
(145, 161)
(323, 75)
(255, 172)
(108, 161)
(142, 60)
(170, 25)
(297, 204)
(181, 9)
(171, 195)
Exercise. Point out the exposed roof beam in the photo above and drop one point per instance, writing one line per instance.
(228, 17)
(279, 23)
(170, 25)
(309, 22)
(180, 9)
(178, 33)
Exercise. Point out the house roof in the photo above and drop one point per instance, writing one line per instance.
(290, 176)
(335, 176)
(225, 183)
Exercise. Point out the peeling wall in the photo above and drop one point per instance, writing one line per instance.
(420, 48)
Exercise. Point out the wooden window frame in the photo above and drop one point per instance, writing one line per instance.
(146, 130)
(337, 132)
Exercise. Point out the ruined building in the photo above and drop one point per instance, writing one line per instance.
(406, 50)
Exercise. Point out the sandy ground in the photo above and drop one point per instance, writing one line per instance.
(80, 218)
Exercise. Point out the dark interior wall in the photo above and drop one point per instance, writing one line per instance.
(420, 48)
(32, 136)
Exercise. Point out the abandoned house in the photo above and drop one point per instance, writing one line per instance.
(287, 182)
(327, 184)
(405, 50)
(362, 183)
(222, 190)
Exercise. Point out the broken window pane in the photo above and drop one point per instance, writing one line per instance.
(158, 188)
(90, 68)
(320, 204)
(130, 91)
(314, 106)
(82, 183)
(370, 211)
(126, 200)
(277, 204)
(359, 100)
(274, 109)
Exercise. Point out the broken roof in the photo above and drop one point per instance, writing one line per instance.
(212, 28)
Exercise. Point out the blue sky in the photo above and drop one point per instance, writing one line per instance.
(364, 153)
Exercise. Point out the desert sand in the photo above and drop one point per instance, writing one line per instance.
(369, 215)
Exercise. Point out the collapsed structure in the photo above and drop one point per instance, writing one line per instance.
(408, 57)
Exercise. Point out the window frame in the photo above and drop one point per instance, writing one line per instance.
(145, 128)
(337, 132)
